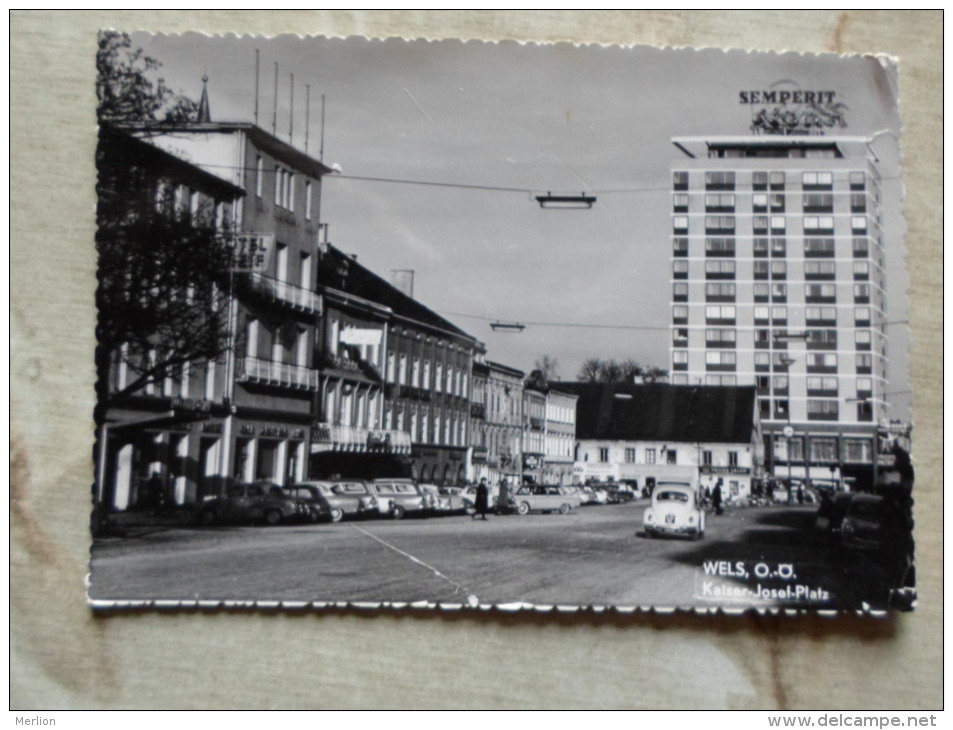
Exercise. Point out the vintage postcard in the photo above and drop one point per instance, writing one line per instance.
(470, 325)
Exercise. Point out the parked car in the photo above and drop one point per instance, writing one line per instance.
(398, 497)
(675, 510)
(830, 515)
(343, 498)
(260, 501)
(860, 529)
(493, 496)
(312, 506)
(446, 500)
(545, 499)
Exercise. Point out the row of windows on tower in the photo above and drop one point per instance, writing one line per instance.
(774, 180)
(819, 270)
(777, 246)
(763, 224)
(761, 293)
(773, 202)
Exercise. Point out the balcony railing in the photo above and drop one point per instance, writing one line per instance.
(268, 372)
(359, 438)
(285, 293)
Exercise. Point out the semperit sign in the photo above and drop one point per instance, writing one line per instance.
(786, 109)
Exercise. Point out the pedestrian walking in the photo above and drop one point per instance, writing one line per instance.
(482, 499)
(716, 497)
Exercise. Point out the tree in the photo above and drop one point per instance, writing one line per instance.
(163, 261)
(125, 90)
(548, 366)
(597, 370)
(162, 270)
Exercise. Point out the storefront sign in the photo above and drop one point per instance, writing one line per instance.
(736, 470)
(356, 336)
(192, 405)
(785, 109)
(273, 431)
(252, 251)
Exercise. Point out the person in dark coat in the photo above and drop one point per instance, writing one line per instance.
(716, 497)
(482, 499)
(502, 501)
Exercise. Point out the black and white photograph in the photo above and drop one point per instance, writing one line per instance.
(466, 325)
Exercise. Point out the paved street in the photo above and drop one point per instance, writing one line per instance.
(593, 556)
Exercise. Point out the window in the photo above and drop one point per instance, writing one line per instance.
(719, 246)
(259, 176)
(821, 386)
(761, 314)
(862, 339)
(680, 292)
(817, 179)
(819, 202)
(858, 203)
(861, 315)
(716, 313)
(680, 337)
(720, 337)
(759, 202)
(865, 386)
(680, 203)
(824, 449)
(779, 292)
(760, 246)
(680, 360)
(818, 246)
(251, 338)
(864, 362)
(779, 269)
(719, 269)
(821, 362)
(719, 293)
(402, 370)
(821, 410)
(680, 180)
(391, 367)
(438, 378)
(779, 315)
(777, 180)
(680, 223)
(820, 293)
(679, 314)
(720, 180)
(720, 359)
(720, 203)
(857, 450)
(604, 455)
(307, 200)
(818, 223)
(732, 458)
(680, 269)
(650, 456)
(861, 270)
(720, 223)
(860, 247)
(777, 223)
(761, 269)
(630, 456)
(680, 246)
(780, 384)
(779, 247)
(858, 180)
(706, 458)
(817, 315)
(759, 180)
(762, 361)
(761, 292)
(822, 338)
(671, 456)
(858, 223)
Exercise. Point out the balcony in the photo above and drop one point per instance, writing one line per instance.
(282, 375)
(350, 365)
(282, 292)
(360, 439)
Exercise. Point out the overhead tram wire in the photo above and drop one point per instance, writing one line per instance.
(654, 328)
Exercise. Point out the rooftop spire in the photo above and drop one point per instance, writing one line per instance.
(205, 115)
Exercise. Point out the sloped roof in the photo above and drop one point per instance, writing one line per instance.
(663, 412)
(342, 272)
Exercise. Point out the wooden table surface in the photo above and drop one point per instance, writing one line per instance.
(64, 657)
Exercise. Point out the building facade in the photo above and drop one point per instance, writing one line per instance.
(778, 282)
(504, 423)
(560, 428)
(159, 439)
(643, 434)
(271, 376)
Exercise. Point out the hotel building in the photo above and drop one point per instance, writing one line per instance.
(778, 282)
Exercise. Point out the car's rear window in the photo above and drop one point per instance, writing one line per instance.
(349, 489)
(673, 497)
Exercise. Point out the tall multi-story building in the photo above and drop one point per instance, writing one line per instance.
(504, 423)
(778, 282)
(271, 376)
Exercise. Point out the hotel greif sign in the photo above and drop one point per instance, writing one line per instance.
(786, 109)
(252, 251)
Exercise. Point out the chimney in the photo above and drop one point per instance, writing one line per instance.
(403, 281)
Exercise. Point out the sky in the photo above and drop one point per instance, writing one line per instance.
(529, 119)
